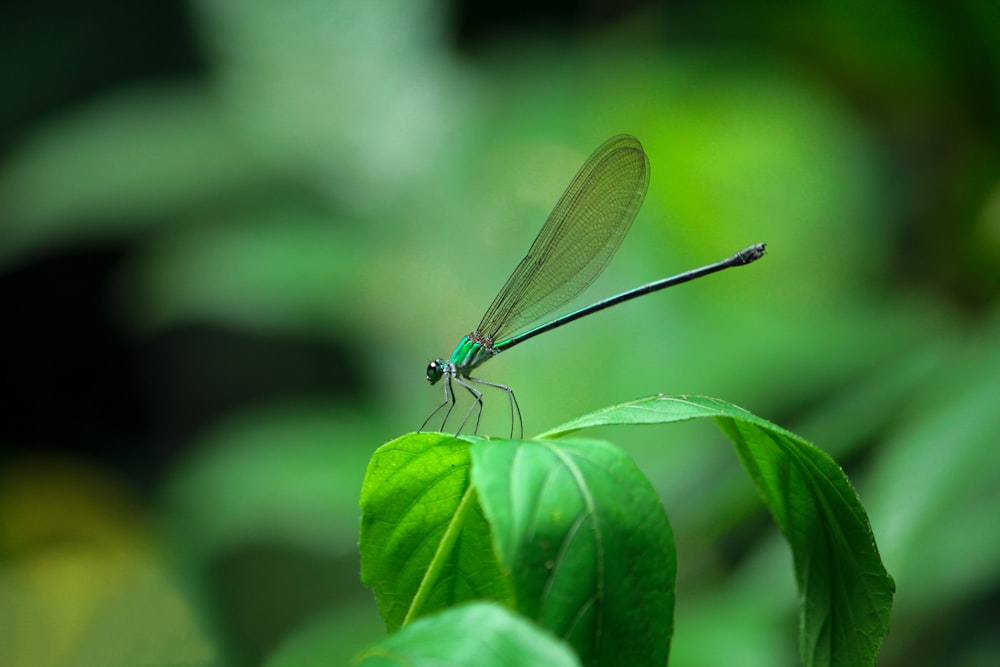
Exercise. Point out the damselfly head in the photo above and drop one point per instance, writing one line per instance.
(435, 370)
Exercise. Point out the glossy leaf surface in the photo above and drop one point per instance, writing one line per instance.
(845, 591)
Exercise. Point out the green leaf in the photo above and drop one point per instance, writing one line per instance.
(480, 634)
(124, 161)
(424, 542)
(587, 544)
(267, 266)
(845, 591)
(269, 474)
(653, 410)
(933, 482)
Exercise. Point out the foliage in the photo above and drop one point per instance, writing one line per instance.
(570, 534)
(232, 234)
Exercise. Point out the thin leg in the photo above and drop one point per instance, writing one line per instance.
(478, 405)
(449, 400)
(477, 396)
(449, 393)
(514, 407)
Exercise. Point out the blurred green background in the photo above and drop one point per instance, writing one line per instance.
(232, 235)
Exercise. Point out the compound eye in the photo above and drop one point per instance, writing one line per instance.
(434, 371)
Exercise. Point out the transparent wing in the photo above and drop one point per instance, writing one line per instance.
(578, 240)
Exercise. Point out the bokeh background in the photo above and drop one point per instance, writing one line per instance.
(232, 235)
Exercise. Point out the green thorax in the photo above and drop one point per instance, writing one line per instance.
(471, 351)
